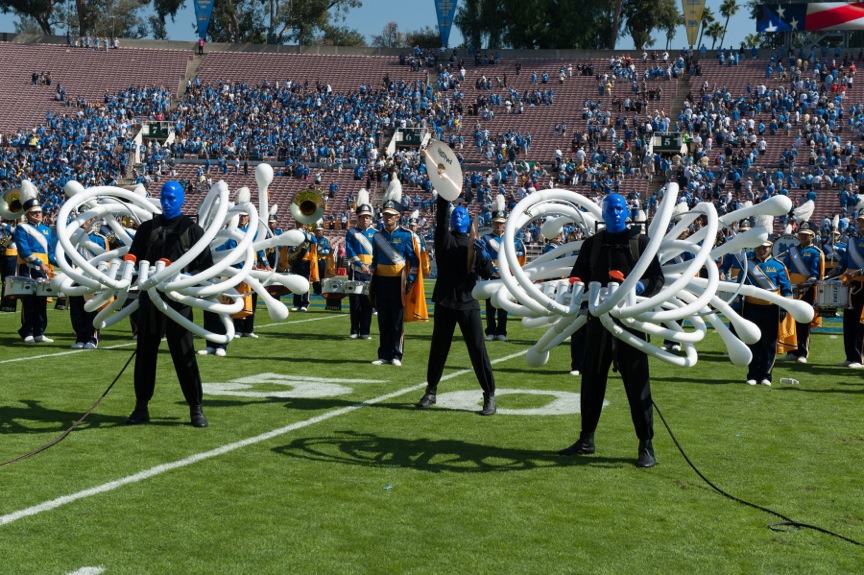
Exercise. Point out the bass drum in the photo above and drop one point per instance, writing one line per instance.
(783, 244)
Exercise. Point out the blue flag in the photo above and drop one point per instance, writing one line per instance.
(203, 10)
(445, 9)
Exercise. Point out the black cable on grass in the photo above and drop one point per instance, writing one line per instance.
(784, 526)
(63, 435)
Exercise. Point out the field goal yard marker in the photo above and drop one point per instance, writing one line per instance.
(192, 459)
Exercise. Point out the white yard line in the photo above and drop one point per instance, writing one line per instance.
(88, 571)
(159, 469)
(132, 343)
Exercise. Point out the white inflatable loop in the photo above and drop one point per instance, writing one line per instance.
(541, 294)
(88, 269)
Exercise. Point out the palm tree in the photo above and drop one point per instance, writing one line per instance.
(707, 20)
(714, 31)
(728, 9)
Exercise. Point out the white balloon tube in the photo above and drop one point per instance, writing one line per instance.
(800, 310)
(688, 360)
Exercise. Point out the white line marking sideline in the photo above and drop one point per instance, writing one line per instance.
(159, 469)
(88, 571)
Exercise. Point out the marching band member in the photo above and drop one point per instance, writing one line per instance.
(496, 319)
(454, 303)
(35, 242)
(393, 257)
(8, 264)
(420, 244)
(167, 236)
(765, 272)
(358, 252)
(245, 327)
(324, 255)
(86, 335)
(302, 258)
(609, 255)
(806, 265)
(271, 252)
(851, 267)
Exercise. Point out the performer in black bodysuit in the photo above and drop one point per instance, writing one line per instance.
(455, 304)
(167, 236)
(615, 254)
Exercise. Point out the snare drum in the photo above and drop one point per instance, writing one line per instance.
(831, 296)
(21, 286)
(334, 287)
(353, 287)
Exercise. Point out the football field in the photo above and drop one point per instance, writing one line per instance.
(316, 461)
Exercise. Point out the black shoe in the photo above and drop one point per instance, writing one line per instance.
(488, 404)
(585, 446)
(428, 399)
(197, 417)
(139, 416)
(646, 454)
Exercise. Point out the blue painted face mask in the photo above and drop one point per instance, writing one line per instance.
(460, 220)
(615, 213)
(172, 198)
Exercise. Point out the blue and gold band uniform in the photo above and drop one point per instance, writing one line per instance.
(358, 252)
(804, 265)
(392, 256)
(853, 330)
(496, 319)
(35, 244)
(772, 276)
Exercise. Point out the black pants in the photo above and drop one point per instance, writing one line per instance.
(212, 323)
(391, 316)
(853, 329)
(802, 330)
(246, 324)
(767, 319)
(577, 350)
(360, 308)
(150, 328)
(34, 315)
(82, 321)
(301, 269)
(496, 319)
(600, 350)
(442, 336)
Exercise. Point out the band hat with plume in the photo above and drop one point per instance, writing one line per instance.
(274, 209)
(242, 196)
(499, 214)
(29, 196)
(319, 225)
(415, 217)
(363, 204)
(393, 197)
(805, 228)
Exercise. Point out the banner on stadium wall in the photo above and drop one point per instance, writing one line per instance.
(203, 10)
(692, 18)
(812, 17)
(445, 9)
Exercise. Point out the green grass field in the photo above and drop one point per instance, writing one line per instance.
(316, 461)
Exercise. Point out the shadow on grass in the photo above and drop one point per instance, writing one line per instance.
(46, 420)
(433, 455)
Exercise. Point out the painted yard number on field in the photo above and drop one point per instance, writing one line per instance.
(263, 384)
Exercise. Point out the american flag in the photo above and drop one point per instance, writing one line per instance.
(811, 17)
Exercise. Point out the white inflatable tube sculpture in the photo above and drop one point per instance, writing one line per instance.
(538, 294)
(106, 277)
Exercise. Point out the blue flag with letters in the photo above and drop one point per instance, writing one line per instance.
(203, 10)
(445, 9)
